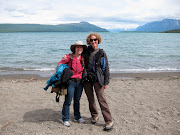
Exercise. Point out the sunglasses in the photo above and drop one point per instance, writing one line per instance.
(91, 40)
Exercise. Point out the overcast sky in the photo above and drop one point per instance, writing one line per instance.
(107, 14)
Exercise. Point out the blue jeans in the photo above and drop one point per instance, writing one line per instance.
(74, 91)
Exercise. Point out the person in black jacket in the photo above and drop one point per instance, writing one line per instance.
(96, 78)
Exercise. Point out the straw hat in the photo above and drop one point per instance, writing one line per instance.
(76, 44)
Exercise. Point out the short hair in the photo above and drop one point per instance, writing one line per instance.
(98, 36)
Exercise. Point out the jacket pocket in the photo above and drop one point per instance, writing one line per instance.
(100, 76)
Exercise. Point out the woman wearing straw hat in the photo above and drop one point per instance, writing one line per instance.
(75, 87)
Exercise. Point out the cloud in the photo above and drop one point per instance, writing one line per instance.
(104, 13)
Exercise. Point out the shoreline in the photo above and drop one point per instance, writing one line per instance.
(112, 76)
(144, 75)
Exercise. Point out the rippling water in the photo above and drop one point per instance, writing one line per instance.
(39, 52)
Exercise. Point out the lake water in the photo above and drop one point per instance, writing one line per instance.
(39, 52)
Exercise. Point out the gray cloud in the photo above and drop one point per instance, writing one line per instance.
(127, 13)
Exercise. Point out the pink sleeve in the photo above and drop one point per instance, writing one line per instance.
(65, 61)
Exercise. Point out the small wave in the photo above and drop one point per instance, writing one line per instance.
(145, 70)
(10, 69)
(39, 69)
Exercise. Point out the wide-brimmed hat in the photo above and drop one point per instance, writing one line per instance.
(76, 44)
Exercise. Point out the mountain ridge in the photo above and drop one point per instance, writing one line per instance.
(70, 27)
(159, 26)
(156, 26)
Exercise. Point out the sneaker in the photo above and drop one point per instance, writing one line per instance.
(108, 126)
(94, 120)
(66, 123)
(81, 120)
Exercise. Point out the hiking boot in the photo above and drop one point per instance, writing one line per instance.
(109, 126)
(94, 120)
(66, 123)
(81, 120)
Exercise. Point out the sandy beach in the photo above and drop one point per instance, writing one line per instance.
(140, 103)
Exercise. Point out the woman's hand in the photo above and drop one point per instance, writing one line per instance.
(105, 87)
(64, 57)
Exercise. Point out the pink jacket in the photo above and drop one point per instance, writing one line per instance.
(77, 68)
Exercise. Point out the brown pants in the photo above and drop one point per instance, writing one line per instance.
(101, 99)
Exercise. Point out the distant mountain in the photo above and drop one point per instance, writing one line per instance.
(120, 29)
(158, 26)
(71, 27)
